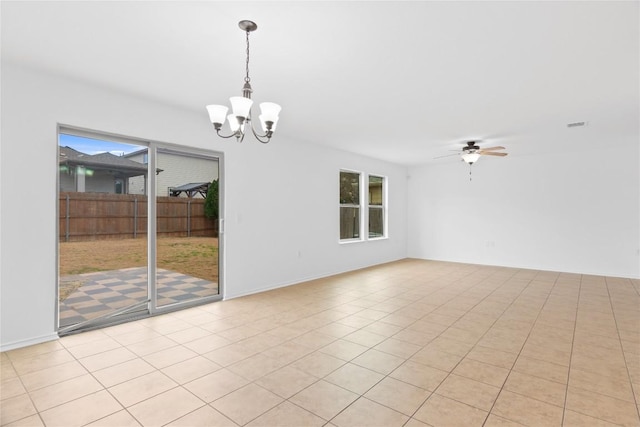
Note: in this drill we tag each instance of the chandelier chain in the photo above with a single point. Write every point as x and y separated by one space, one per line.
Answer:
247 79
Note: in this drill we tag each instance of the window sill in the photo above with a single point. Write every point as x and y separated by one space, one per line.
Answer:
370 239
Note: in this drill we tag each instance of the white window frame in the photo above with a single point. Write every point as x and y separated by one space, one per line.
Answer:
382 207
361 216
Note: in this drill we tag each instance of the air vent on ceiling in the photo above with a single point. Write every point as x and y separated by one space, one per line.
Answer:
576 124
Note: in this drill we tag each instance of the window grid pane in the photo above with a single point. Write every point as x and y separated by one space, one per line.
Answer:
376 206
349 205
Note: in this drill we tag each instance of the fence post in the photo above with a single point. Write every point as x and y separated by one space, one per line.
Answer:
66 225
189 218
135 217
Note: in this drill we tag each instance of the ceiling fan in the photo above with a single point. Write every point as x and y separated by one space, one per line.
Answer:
471 152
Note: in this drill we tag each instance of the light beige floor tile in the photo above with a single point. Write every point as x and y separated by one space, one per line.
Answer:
436 359
287 415
364 412
207 344
398 395
191 369
479 371
602 407
419 375
451 346
442 411
16 408
493 357
313 340
398 348
415 337
471 392
94 347
11 387
620 388
42 361
230 354
136 336
107 358
287 381
153 345
120 419
65 391
256 366
215 385
169 356
324 399
575 419
526 410
235 407
415 423
542 369
354 378
6 370
495 421
547 354
32 421
138 389
186 335
318 364
165 407
82 411
336 330
34 350
261 342
287 352
345 350
367 339
536 388
55 374
205 416
381 328
378 361
123 372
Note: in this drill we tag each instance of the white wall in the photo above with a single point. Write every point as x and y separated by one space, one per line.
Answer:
281 199
576 211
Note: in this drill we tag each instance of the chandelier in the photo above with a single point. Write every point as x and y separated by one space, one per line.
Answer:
241 106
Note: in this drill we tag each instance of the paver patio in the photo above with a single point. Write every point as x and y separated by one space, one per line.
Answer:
106 291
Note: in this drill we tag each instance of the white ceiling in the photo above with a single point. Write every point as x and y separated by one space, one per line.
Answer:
400 81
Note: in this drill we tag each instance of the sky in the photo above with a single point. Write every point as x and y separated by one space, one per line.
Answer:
95 146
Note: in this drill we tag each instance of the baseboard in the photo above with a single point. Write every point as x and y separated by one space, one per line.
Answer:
28 342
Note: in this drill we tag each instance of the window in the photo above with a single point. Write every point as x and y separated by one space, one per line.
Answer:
376 207
349 205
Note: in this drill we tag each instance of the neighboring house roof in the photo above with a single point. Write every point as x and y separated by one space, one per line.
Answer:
190 189
102 161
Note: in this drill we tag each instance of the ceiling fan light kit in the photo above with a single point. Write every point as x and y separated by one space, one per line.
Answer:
241 106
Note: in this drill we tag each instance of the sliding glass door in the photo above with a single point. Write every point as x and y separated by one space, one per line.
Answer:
102 247
138 229
187 250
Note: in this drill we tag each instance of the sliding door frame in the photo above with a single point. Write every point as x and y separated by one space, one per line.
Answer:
151 303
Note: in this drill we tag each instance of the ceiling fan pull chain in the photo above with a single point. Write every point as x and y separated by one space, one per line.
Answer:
469 172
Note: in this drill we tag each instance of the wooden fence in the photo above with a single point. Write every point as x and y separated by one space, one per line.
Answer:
98 216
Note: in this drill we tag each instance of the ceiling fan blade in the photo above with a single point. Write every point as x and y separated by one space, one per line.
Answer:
448 155
492 148
491 153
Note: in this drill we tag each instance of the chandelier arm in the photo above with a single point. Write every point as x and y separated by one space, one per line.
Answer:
259 137
226 136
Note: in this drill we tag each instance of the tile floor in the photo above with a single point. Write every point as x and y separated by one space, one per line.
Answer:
411 343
